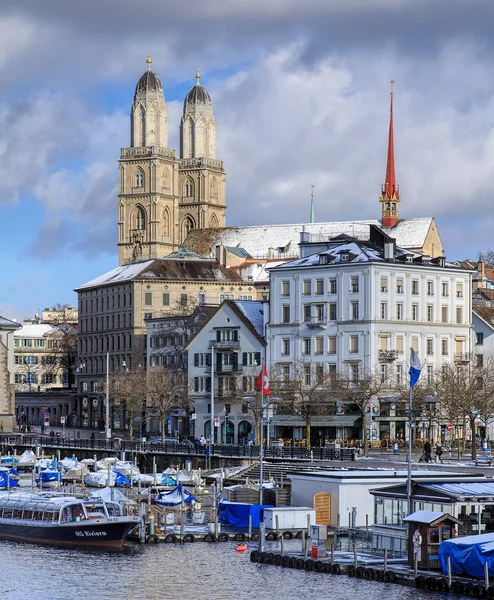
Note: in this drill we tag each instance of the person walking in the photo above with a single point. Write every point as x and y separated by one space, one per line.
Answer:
427 451
439 452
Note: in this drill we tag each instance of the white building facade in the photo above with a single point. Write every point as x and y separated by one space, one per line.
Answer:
360 305
224 359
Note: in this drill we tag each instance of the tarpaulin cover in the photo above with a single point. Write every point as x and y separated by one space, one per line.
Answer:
120 479
48 475
3 479
174 497
236 514
468 554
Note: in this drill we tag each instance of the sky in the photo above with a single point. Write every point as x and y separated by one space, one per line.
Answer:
300 92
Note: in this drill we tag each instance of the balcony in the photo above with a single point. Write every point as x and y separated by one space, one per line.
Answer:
387 355
317 322
224 345
228 368
462 358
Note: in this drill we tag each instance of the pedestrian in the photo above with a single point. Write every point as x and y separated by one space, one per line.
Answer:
427 451
439 452
202 441
93 437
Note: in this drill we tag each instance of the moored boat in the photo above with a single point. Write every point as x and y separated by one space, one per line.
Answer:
64 521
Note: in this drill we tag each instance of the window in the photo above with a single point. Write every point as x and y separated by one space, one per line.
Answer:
444 287
415 344
384 310
307 312
354 284
183 299
480 360
399 374
227 297
353 344
430 313
384 373
444 314
285 288
285 346
139 178
319 345
189 188
459 314
459 345
332 286
319 287
319 374
332 344
40 343
399 286
430 346
415 312
354 373
430 288
354 311
147 315
251 358
459 290
148 299
166 299
285 313
202 384
444 347
307 377
430 374
285 372
332 311
306 346
399 344
384 284
201 299
320 313
415 287
306 289
140 220
399 311
479 338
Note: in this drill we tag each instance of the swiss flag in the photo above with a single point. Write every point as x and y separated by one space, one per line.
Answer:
262 382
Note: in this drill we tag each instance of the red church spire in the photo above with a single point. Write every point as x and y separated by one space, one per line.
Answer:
390 194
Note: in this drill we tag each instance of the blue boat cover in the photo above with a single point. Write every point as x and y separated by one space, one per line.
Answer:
49 475
236 514
121 479
3 479
166 480
468 554
174 497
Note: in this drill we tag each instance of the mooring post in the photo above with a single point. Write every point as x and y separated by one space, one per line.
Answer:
277 526
250 527
385 559
415 565
355 561
281 545
449 571
366 522
486 575
332 553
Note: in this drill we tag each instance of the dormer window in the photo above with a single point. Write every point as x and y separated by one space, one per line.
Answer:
323 259
409 258
344 257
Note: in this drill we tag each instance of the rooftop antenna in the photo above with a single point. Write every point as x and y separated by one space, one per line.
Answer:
312 220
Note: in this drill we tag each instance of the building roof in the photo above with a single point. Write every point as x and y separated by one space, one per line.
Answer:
34 330
198 94
171 268
425 516
467 489
284 239
8 324
148 82
485 313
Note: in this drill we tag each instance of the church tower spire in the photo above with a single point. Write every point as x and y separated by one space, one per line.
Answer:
390 193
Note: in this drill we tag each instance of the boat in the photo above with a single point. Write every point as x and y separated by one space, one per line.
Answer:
64 521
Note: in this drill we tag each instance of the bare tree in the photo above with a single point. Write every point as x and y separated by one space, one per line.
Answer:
63 344
165 392
129 387
309 391
359 388
486 256
466 391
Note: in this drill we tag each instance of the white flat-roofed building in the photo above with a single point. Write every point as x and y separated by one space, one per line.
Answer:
359 304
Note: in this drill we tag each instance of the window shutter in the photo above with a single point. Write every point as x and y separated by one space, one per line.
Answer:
235 335
244 358
219 361
208 360
196 384
218 335
196 360
235 362
208 384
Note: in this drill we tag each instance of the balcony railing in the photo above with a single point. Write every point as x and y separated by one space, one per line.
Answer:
387 355
224 344
228 368
462 358
317 321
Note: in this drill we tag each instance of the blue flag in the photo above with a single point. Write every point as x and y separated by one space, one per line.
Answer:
415 367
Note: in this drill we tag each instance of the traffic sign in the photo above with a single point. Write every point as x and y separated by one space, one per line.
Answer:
193 416
450 427
62 420
216 422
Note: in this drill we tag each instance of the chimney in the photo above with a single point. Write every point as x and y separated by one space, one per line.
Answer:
481 273
270 253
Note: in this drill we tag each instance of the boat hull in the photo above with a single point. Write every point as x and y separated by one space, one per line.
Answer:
97 534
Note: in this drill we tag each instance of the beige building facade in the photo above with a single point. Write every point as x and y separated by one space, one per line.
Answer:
7 402
163 197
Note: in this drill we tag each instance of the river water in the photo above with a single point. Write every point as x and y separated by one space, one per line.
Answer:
199 571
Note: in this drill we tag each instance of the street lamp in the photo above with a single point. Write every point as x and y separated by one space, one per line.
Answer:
262 407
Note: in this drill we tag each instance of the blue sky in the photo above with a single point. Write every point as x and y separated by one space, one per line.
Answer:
301 96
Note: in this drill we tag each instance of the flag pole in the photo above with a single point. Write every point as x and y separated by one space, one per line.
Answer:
261 452
410 431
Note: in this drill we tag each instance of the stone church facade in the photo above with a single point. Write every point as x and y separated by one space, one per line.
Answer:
163 197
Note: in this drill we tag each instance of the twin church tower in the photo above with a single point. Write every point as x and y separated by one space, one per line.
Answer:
162 197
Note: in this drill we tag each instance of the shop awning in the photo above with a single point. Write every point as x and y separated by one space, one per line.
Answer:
320 421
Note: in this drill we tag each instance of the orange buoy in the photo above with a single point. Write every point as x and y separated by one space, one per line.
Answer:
241 548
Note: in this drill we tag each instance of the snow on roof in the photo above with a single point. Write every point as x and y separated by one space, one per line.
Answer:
122 273
256 272
424 516
256 239
466 489
254 312
7 323
483 538
33 330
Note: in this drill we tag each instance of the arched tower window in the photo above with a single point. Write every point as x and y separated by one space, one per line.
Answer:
165 181
187 226
139 178
189 188
166 223
213 221
140 218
